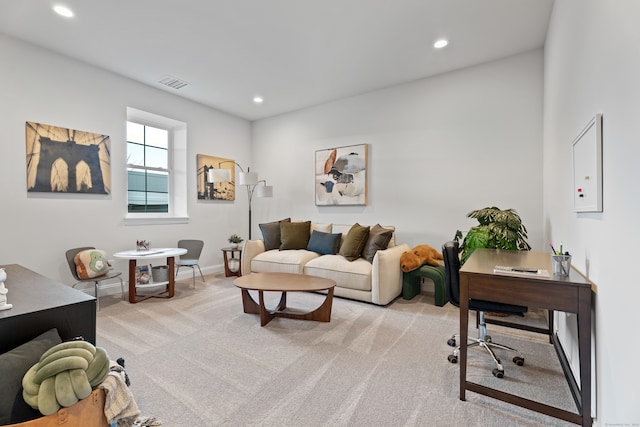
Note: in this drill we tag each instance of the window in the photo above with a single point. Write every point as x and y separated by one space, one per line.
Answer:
148 171
156 169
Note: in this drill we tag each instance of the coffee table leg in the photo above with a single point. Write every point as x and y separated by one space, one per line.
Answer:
248 304
265 315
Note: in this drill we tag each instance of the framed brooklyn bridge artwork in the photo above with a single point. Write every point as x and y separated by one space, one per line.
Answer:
61 160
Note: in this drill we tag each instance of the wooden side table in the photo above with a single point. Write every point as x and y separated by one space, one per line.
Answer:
228 272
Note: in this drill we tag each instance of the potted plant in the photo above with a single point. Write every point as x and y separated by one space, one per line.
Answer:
235 240
498 229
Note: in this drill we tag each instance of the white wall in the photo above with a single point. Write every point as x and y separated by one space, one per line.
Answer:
592 66
438 149
42 87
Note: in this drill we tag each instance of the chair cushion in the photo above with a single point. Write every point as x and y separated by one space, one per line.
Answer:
13 365
354 242
91 263
379 238
271 234
294 235
324 243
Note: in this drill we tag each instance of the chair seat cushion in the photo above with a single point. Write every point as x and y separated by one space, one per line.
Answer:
188 262
91 263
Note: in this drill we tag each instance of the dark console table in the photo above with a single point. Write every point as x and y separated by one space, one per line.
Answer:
40 304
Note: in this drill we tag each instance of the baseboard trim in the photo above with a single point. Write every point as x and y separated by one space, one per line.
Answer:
114 287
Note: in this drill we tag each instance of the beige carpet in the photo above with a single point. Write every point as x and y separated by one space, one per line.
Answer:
198 360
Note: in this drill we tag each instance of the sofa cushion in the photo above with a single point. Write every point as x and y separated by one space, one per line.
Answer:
324 243
347 274
354 241
13 365
379 238
277 261
294 235
271 233
325 228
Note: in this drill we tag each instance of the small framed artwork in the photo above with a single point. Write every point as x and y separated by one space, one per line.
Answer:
207 188
587 167
341 176
61 160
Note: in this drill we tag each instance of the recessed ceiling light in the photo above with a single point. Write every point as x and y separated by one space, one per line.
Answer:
440 43
63 11
258 99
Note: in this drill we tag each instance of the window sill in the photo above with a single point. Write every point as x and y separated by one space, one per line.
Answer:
155 220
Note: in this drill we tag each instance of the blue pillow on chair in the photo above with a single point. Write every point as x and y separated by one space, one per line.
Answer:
324 243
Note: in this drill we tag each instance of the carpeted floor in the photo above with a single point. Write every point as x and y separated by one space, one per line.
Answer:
198 360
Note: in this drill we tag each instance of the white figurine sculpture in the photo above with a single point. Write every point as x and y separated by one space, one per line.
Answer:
3 291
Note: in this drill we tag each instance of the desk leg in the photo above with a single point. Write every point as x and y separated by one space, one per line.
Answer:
172 276
464 333
132 281
584 353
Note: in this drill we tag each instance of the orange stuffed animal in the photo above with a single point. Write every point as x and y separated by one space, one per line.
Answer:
418 256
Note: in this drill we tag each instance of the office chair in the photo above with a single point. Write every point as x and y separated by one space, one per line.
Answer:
71 254
450 251
191 258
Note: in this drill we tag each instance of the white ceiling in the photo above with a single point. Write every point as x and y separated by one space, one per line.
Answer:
295 53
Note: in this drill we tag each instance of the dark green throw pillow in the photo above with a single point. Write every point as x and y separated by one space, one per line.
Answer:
378 240
13 365
354 241
324 243
271 234
294 235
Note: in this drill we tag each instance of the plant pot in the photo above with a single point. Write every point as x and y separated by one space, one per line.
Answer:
234 246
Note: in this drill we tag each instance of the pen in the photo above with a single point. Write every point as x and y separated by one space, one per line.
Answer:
552 249
560 249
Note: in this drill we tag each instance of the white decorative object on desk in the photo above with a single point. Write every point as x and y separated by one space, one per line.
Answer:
3 291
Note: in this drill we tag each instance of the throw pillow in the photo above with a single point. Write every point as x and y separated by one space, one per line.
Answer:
271 234
324 243
378 240
13 365
91 263
354 241
294 235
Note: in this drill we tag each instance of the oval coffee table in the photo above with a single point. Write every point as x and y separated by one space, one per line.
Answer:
284 282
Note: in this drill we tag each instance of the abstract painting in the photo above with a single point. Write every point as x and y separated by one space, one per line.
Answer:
341 176
61 160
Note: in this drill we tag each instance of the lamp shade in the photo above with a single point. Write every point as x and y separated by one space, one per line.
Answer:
248 178
219 175
264 191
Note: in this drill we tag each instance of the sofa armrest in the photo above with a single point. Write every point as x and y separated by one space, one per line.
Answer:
386 275
251 249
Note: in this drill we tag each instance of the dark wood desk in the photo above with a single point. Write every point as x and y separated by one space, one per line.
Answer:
40 304
570 294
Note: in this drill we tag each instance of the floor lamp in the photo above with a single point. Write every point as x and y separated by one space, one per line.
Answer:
248 179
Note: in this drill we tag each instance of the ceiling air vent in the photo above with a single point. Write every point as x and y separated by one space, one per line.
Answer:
173 82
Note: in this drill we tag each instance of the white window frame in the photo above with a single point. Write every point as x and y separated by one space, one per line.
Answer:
177 170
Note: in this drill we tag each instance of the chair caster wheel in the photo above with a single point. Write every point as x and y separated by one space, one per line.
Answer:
497 373
453 359
451 342
488 338
518 360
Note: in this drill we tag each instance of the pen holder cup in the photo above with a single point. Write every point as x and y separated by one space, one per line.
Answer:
560 265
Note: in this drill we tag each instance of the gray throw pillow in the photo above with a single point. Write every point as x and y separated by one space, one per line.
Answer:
324 243
378 240
271 234
13 365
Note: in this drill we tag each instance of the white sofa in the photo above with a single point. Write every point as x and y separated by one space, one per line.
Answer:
378 282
